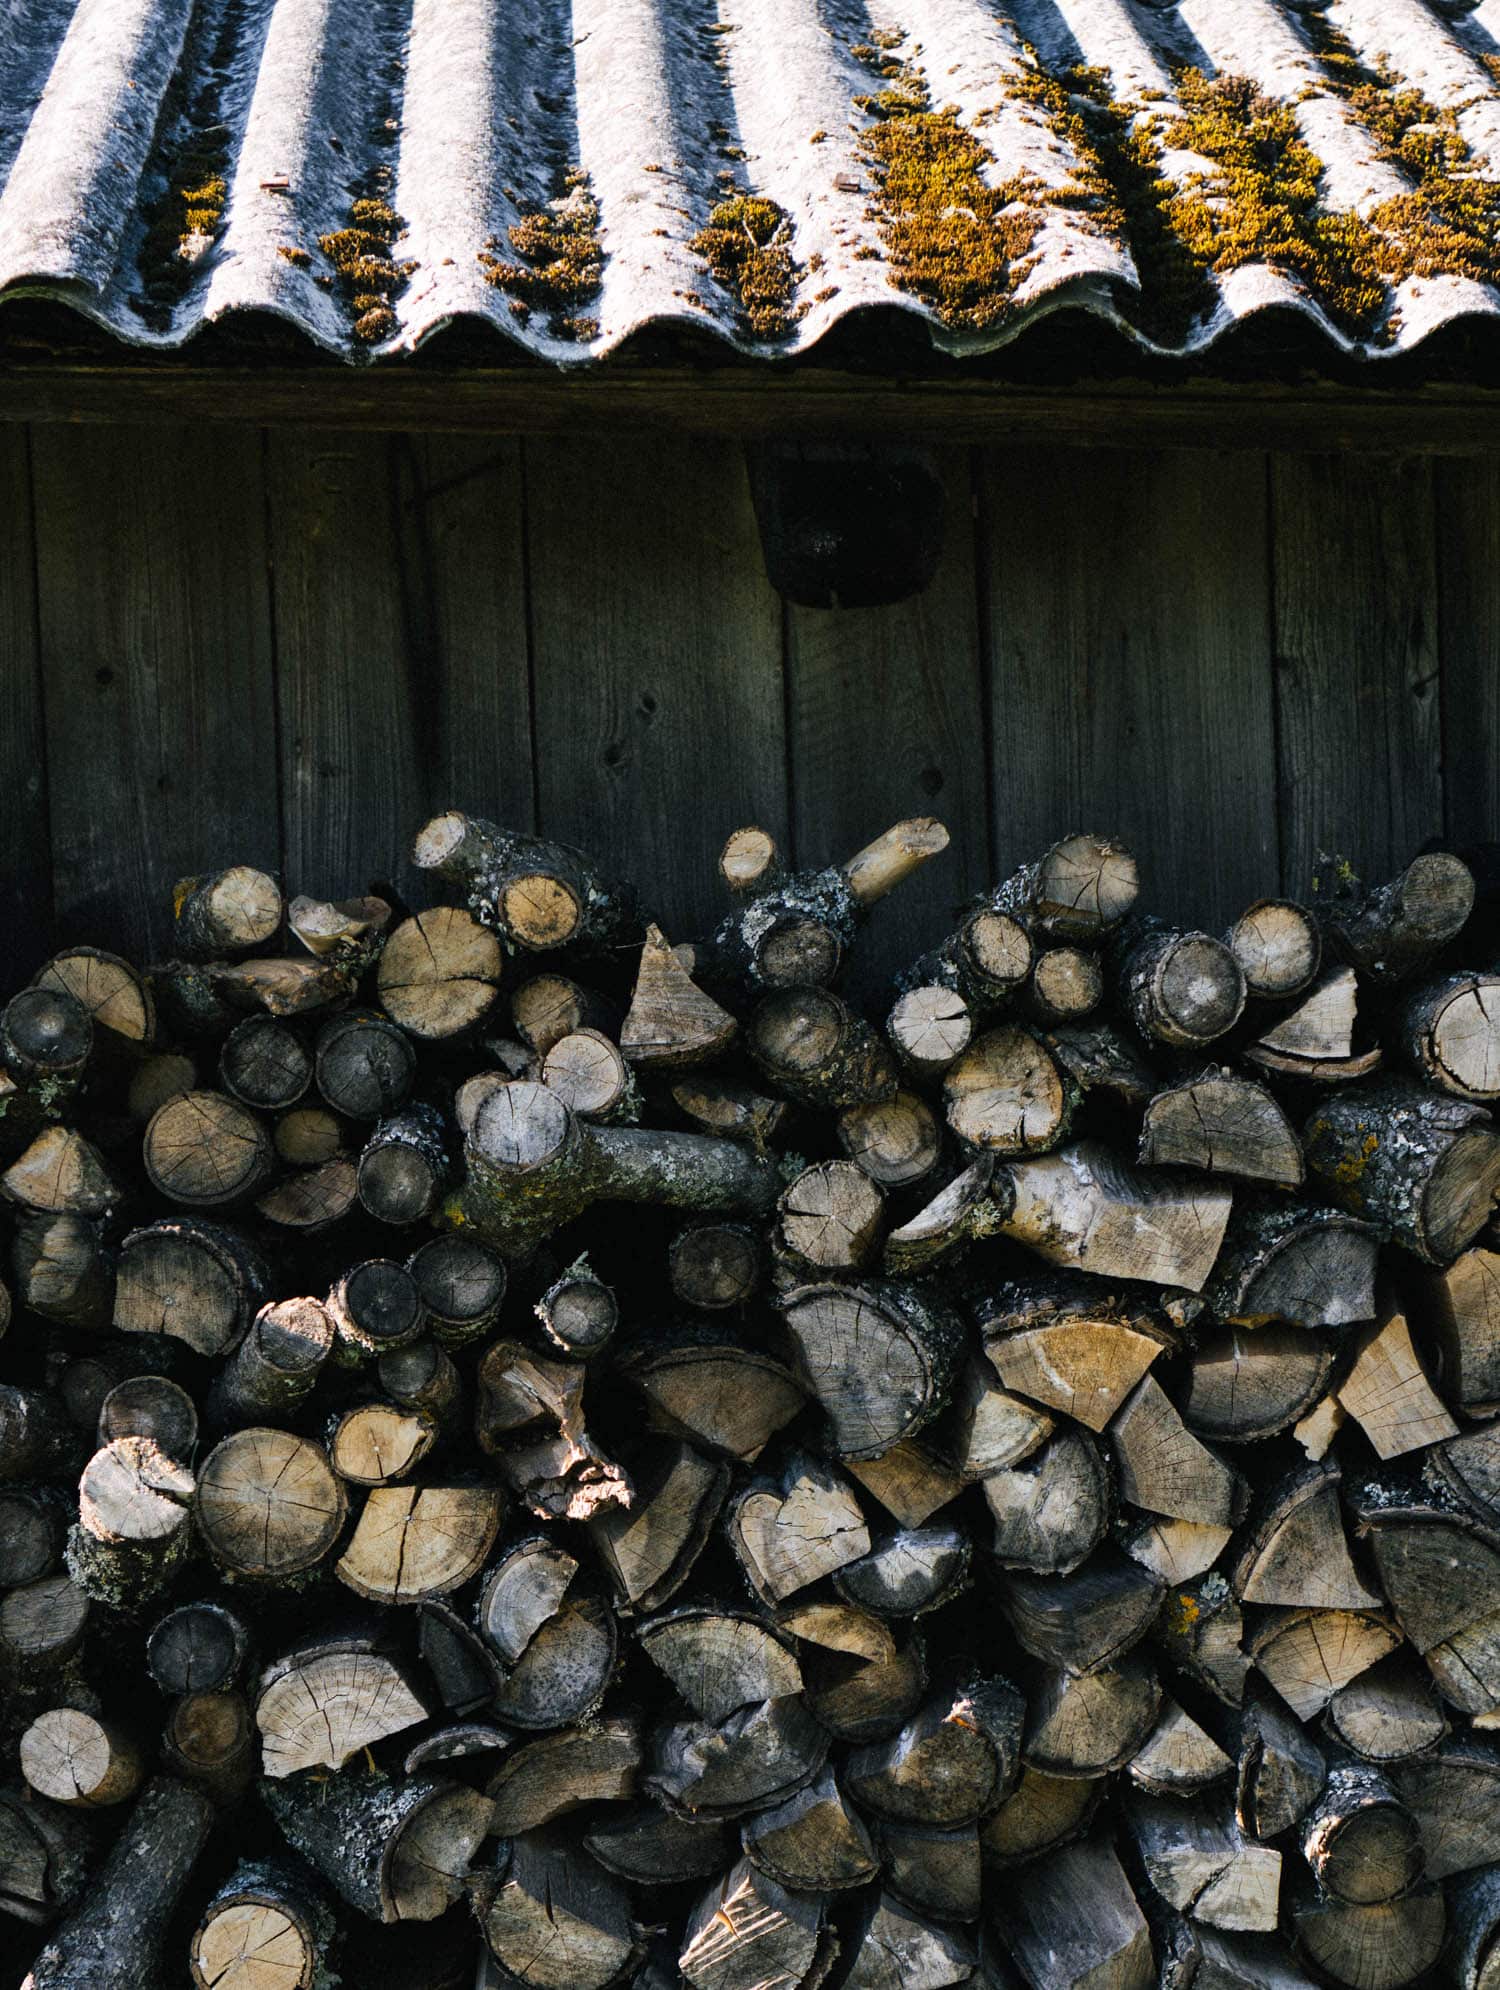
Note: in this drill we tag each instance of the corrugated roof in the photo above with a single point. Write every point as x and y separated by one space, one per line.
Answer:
573 170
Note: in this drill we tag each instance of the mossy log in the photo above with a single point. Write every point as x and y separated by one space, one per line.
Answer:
1389 931
1424 1166
134 1526
274 1367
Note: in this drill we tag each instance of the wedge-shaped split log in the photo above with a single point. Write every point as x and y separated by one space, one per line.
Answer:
1389 1713
671 1023
795 1529
1225 1125
720 1660
549 1622
1387 1392
1164 1469
956 1760
758 1757
814 1842
1179 1758
748 1930
714 1391
322 1703
1245 1384
559 1772
649 1547
1461 1304
1083 1728
1453 1793
1052 1510
1076 1925
1441 1571
1083 1208
1298 1555
1201 1863
414 1542
529 1417
1086 1620
1309 1655
1279 1772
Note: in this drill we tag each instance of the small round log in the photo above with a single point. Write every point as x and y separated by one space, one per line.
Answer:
830 1217
929 1027
33 1526
364 1065
133 1530
267 1928
589 1075
1181 989
205 1151
1278 946
405 1165
1359 1840
374 1308
578 1312
47 1034
1079 890
715 1265
274 1367
377 1444
268 1505
1450 1034
73 1758
265 1064
421 1377
1391 930
461 1285
896 1142
227 912
201 1647
1067 983
817 1051
151 1406
549 1007
439 973
209 1740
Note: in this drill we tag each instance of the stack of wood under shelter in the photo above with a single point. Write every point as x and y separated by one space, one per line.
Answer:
532 1452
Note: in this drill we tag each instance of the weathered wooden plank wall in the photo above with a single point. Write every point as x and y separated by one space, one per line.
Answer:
292 648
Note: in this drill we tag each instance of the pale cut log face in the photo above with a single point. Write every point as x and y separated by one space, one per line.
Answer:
319 1714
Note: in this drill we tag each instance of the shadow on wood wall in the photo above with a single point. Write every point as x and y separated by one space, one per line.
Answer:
287 649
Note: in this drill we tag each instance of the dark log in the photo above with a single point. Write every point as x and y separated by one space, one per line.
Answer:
439 974
324 1701
816 1050
412 1542
813 1842
533 1166
1359 1839
1184 990
364 1065
61 1269
165 1075
929 1026
857 1690
747 1931
117 998
46 1037
1072 1343
43 1857
1424 1166
209 1740
1200 1631
1078 1729
649 1548
1297 1555
1083 1208
1389 931
313 1200
1099 1059
268 1505
227 912
378 1444
134 1530
42 1627
911 1483
555 1635
1086 1620
267 1928
1309 1655
1042 1813
1164 1469
1468 1466
558 1773
758 1757
1474 1932
1197 1859
1280 1771
460 1667
830 1218
396 1848
529 1416
714 1391
1294 1261
405 1165
1453 1792
71 1757
118 1934
265 1064
1075 1924
719 1660
729 1110
1440 1570
671 1022
204 1151
649 1846
535 895
194 1280
201 1647
151 1406
982 963
1178 1758
33 1526
933 1873
1224 1125
896 1141
956 1760
894 1948
36 1439
1461 1305
1246 1384
715 1265
461 1286
880 1357
1388 1714
1372 1948
274 1367
1052 1510
375 1307
913 1571
797 1528
1278 946
1007 1095
549 1007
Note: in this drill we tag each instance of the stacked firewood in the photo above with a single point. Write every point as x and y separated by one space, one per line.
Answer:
533 1454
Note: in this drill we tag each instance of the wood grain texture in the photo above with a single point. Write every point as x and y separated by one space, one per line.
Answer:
156 653
658 653
1128 621
1468 529
26 869
1356 663
887 720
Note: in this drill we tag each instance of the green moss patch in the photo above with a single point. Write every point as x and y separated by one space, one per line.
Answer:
747 246
368 275
561 262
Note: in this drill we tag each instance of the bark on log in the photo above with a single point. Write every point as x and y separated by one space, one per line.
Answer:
396 1848
405 1165
1071 1343
529 1416
549 1007
267 1928
981 964
1184 990
197 1281
1424 1166
1389 931
461 1286
958 1759
274 1367
714 1392
818 1052
134 1529
364 1065
829 1219
1359 1840
880 1357
715 1265
1450 1035
535 895
1297 1262
61 1269
1082 1208
228 912
1372 1948
46 1037
814 1842
1224 1125
204 1151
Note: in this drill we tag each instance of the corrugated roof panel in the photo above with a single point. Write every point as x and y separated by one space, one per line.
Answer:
572 171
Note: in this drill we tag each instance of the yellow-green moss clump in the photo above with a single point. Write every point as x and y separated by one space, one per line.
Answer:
747 245
186 220
960 244
368 275
562 261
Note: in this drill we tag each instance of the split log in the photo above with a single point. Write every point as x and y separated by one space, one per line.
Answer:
1085 1620
830 1217
560 1772
1468 1466
896 1141
795 1529
377 1444
529 1417
1280 1771
880 1357
205 1151
1376 1947
133 1530
72 1758
895 1948
1309 1655
1007 1095
265 1064
43 1857
1425 1166
439 974
1440 1570
117 998
714 1391
396 1848
1387 1393
912 1572
405 1165
165 1075
1359 1839
1164 1469
150 1406
324 1701
375 1307
1474 1935
1200 1863
1461 1304
1081 1207
1175 1550
649 1846
535 895
1071 1343
1076 1925
992 1428
228 912
1297 1555
931 1872
1079 1729
533 1166
118 1934
714 1265
267 1928
1051 1510
1453 1792
1294 1261
1388 1714
197 1281
1278 946
1315 1042
911 1483
274 1367
720 1660
758 1757
727 1109
1389 931
1247 1384
411 1542
649 1548
61 1172
463 1671
813 1842
816 1050
209 1740
364 1065
1184 990
313 1200
956 1760
1223 1125
556 1921
36 1439
857 1698
1067 984
1099 1059
549 1007
929 1027
1040 1815
268 1505
61 1268
201 1647
671 1022
461 1286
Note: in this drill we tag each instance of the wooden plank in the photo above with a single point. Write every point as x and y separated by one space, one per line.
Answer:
657 646
886 709
1469 640
156 653
1356 662
26 867
1128 616
747 399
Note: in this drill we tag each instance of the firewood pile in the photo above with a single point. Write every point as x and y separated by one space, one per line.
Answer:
534 1454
